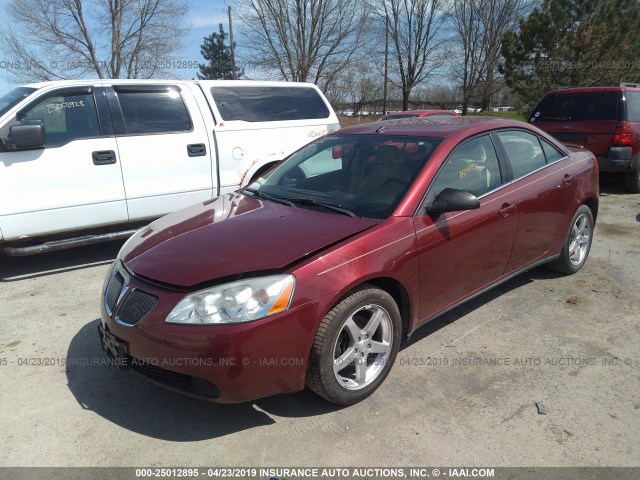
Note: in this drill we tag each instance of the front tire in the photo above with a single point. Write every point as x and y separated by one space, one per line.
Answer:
577 245
355 346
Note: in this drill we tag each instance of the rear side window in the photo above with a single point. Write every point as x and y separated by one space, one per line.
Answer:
65 117
154 112
581 106
523 151
268 104
633 106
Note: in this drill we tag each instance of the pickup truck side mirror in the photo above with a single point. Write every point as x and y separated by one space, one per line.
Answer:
453 200
26 137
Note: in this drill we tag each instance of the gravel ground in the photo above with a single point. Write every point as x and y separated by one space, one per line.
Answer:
463 390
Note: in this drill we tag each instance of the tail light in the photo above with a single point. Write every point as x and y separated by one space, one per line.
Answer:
622 136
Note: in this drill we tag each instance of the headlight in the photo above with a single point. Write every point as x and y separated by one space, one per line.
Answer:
240 301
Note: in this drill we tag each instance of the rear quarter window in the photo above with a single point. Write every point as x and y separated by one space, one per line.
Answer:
269 104
633 106
579 106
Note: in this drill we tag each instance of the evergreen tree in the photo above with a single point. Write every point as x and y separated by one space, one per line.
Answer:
573 43
218 56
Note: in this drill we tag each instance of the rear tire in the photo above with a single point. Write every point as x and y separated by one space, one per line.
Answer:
575 249
632 178
355 346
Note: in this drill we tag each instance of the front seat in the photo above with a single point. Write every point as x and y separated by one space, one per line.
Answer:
387 169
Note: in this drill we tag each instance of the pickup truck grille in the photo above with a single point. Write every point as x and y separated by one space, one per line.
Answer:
134 305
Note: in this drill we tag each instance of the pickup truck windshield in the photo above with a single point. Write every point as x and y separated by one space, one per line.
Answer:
15 96
356 175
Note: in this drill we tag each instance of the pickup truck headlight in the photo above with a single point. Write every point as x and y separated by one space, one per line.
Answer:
236 302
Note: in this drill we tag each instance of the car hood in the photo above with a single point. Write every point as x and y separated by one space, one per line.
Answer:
230 235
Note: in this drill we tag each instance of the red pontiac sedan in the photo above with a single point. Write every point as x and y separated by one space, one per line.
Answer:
313 274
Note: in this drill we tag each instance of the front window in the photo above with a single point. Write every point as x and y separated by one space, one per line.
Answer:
14 97
358 175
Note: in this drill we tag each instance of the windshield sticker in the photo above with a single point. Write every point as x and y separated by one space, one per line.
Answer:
54 107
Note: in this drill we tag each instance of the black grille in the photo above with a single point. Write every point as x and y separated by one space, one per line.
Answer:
135 306
113 290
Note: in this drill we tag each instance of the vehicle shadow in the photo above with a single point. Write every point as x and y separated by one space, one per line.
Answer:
13 269
611 184
137 405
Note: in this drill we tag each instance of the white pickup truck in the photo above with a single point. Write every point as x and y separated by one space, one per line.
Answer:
89 161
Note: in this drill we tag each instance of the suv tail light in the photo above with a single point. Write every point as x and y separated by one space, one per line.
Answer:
622 136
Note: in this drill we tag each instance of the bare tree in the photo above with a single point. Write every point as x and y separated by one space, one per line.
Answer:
415 28
56 39
304 40
479 26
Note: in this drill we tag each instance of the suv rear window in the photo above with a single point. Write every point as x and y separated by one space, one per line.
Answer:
268 104
579 106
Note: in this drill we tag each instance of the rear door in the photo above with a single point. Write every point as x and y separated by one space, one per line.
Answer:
164 147
545 183
75 182
584 119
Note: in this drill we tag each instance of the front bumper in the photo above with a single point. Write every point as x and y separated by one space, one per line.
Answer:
617 160
223 363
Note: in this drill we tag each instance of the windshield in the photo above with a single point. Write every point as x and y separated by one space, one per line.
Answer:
15 96
357 175
579 106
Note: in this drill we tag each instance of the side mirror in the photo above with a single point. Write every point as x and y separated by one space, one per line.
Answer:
453 200
26 137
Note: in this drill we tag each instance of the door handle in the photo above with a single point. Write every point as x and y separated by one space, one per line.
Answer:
197 150
507 209
104 157
566 180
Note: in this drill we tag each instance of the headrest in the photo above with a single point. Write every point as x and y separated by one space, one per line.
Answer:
388 155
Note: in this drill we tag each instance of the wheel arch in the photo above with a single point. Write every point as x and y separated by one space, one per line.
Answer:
394 288
592 203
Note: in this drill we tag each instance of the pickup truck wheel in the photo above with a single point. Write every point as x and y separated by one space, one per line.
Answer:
355 346
632 178
577 244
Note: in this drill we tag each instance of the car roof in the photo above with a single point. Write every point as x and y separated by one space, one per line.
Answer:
439 127
566 90
204 83
420 112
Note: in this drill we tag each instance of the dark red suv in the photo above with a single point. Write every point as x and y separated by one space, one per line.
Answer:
605 120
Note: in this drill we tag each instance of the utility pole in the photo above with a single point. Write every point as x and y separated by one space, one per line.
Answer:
232 45
386 64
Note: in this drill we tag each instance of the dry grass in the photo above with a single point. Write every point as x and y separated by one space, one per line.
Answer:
357 120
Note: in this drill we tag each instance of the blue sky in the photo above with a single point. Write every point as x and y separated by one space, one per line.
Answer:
204 16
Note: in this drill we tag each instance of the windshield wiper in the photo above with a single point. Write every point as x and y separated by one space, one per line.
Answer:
562 119
329 206
260 194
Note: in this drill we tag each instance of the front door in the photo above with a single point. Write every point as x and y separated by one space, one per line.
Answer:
461 252
75 182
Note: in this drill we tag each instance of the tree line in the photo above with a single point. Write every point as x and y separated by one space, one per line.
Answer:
473 51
